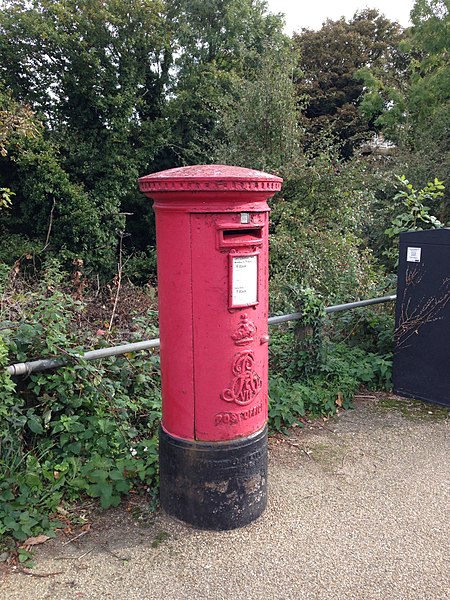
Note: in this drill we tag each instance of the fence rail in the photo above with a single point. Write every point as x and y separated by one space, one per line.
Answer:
53 363
333 309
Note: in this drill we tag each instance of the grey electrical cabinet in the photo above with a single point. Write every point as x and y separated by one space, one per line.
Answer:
421 367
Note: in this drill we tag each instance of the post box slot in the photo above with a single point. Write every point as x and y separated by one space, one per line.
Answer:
240 237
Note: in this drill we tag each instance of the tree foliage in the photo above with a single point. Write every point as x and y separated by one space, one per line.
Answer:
218 46
414 110
259 128
96 93
16 121
121 89
330 59
317 228
94 72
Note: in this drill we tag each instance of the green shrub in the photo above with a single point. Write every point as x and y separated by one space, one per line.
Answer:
83 429
317 226
369 328
415 215
333 384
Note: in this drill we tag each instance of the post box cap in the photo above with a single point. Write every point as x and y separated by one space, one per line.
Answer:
210 178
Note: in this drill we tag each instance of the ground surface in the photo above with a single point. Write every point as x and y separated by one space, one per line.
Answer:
358 509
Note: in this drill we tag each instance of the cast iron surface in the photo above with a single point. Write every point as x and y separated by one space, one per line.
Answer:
217 486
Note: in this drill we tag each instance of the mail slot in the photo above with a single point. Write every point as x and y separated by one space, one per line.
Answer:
212 248
238 238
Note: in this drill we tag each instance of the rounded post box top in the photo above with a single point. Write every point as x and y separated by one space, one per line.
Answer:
209 178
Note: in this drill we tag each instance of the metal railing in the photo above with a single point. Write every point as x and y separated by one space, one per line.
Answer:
333 309
53 363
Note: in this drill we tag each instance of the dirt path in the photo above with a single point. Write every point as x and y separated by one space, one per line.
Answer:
358 510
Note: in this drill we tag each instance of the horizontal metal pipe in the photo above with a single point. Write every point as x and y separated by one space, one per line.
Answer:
350 305
332 309
52 363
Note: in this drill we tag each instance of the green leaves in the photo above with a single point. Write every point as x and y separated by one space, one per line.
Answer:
417 215
95 73
84 429
259 126
333 60
26 501
343 369
409 100
286 403
317 229
34 423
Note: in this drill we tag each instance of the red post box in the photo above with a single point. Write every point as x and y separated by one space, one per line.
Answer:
212 249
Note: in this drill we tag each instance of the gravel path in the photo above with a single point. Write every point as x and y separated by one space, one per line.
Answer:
356 511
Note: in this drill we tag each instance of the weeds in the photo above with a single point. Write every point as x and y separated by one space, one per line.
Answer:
314 371
82 430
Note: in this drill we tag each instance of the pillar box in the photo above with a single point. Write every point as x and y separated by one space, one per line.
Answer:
212 249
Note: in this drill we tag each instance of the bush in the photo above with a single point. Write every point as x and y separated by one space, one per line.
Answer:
84 429
318 363
370 328
317 224
343 371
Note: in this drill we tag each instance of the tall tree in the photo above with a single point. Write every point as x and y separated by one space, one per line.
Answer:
414 110
94 71
329 61
218 44
259 129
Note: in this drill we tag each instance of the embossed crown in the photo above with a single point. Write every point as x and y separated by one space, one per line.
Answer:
244 332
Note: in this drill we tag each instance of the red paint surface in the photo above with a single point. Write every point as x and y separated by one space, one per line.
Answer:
214 356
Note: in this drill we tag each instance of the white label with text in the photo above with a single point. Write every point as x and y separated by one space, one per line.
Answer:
245 280
413 254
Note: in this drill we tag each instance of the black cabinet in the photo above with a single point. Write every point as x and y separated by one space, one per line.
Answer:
421 366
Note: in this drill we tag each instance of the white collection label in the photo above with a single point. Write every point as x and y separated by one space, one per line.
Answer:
413 254
245 280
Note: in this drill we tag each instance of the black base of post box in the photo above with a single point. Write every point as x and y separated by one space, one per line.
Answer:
214 485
